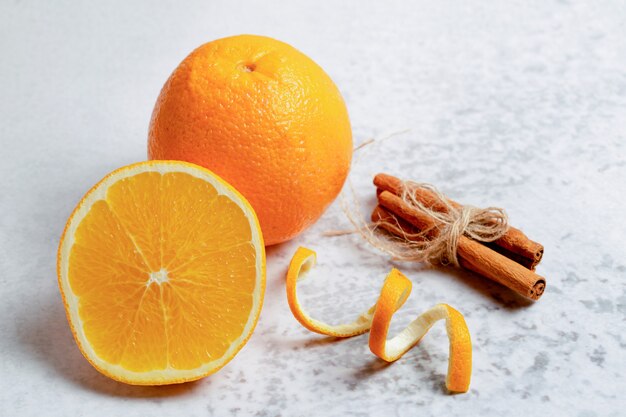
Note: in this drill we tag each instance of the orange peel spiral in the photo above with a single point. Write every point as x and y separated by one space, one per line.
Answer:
394 293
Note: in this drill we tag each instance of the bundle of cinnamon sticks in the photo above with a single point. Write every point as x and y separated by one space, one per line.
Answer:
510 260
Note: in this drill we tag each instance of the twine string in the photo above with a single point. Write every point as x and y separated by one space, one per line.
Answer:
481 224
437 244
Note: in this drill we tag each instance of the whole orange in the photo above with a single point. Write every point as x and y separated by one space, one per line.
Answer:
267 119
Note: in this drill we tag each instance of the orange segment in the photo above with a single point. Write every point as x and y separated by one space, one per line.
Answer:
136 204
162 271
394 293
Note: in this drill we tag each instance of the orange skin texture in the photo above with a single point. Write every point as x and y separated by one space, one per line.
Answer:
264 117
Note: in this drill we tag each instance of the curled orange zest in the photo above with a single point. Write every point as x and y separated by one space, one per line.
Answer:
376 320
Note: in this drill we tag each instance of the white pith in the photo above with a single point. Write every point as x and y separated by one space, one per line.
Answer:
157 277
168 374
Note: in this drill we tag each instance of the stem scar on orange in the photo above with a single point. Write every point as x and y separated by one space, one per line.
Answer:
162 271
267 119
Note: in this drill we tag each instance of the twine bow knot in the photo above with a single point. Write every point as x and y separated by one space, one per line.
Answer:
438 244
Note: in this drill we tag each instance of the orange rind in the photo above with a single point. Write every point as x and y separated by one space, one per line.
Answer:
394 293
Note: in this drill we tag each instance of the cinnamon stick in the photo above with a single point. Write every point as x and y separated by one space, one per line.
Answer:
472 254
395 225
514 244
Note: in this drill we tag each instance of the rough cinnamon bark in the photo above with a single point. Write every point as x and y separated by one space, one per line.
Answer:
472 254
515 245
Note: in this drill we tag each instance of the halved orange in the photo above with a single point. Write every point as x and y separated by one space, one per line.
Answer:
162 271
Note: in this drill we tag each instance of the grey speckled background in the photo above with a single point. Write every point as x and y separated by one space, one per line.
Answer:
520 104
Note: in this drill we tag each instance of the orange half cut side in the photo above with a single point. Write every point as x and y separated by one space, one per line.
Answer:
162 271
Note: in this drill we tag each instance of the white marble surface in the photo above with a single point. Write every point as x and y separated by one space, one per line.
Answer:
520 104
